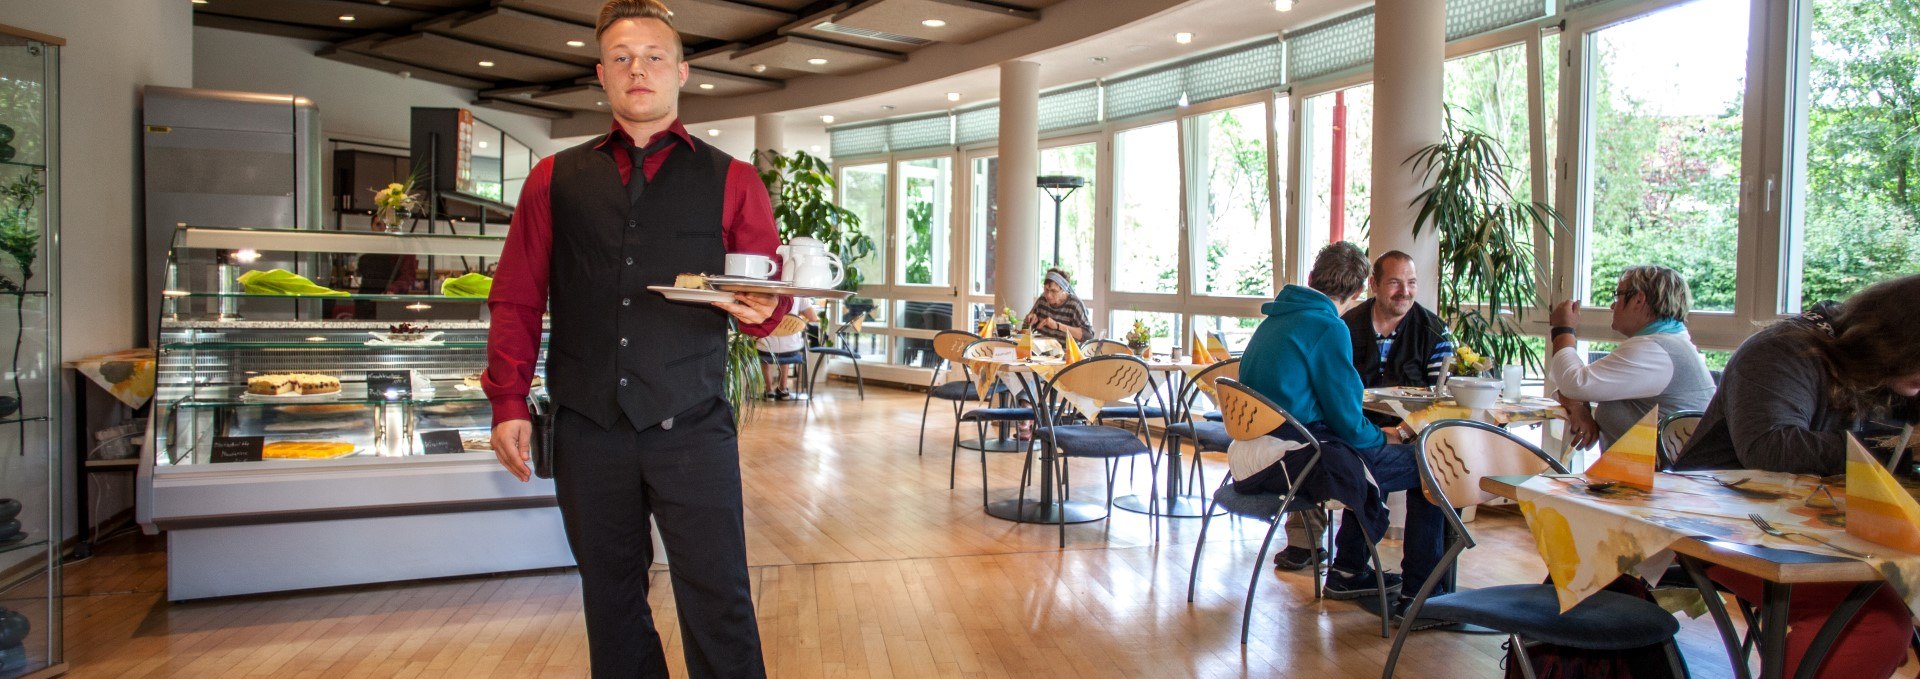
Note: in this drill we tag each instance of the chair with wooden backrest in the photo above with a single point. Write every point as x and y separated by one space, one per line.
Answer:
1247 415
1454 456
981 417
950 346
1104 347
790 326
1126 411
1675 428
840 350
1063 435
1208 436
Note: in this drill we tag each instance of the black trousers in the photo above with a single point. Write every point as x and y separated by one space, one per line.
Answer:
688 479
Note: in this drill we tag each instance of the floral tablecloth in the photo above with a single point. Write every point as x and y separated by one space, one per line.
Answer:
128 375
1590 536
1503 412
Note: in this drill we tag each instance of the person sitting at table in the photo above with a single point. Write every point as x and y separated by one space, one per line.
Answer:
1059 312
1657 366
1791 394
1302 359
774 347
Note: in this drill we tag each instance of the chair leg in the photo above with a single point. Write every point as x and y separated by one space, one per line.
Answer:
815 376
1259 566
1066 489
925 407
1379 577
1193 572
859 381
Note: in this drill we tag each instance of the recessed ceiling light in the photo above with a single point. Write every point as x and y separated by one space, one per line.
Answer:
347 18
199 2
1183 37
713 132
817 61
486 64
599 103
827 119
1097 60
759 68
706 86
933 23
576 43
1283 5
953 96
483 144
316 338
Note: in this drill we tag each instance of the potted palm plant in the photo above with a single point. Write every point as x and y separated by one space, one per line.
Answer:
1487 268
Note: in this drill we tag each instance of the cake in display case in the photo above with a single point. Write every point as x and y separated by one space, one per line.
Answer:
313 429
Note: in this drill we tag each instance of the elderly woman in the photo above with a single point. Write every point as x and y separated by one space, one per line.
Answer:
1657 366
1059 313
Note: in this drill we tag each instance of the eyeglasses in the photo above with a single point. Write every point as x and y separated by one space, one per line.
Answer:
1621 295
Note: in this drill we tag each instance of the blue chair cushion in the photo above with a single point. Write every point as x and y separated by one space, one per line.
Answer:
789 358
1260 506
954 391
1210 436
1126 412
997 415
835 351
1082 440
1606 621
1213 416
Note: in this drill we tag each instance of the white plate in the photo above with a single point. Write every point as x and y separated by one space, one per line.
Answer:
748 280
691 295
1403 394
387 337
289 398
788 289
415 343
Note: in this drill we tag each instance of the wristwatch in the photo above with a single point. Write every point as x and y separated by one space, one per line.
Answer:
1559 330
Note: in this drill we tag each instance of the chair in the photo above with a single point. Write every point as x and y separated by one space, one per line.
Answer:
1675 428
1455 455
1125 411
840 350
1248 416
1102 378
790 326
1104 347
981 417
950 346
1208 434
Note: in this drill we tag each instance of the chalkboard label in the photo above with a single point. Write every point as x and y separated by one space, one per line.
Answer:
391 384
237 448
441 442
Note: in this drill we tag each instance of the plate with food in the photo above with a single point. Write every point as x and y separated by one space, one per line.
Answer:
1411 394
292 387
693 288
406 334
779 288
307 450
477 443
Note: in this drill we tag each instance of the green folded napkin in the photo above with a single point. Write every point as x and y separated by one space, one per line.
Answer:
470 285
283 282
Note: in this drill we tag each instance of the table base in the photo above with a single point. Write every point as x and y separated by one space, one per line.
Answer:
999 445
1032 511
1179 507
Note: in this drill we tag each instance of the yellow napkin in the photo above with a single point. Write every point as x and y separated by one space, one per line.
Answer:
1073 351
1631 459
469 285
1200 353
1418 420
1216 347
1878 509
283 282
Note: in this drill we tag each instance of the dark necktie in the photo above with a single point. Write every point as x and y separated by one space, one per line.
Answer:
637 182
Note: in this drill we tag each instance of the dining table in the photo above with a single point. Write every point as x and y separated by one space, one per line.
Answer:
1590 532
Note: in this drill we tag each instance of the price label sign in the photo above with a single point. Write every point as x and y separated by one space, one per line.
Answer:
392 385
237 449
441 442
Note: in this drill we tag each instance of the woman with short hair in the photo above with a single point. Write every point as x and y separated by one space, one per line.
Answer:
1657 366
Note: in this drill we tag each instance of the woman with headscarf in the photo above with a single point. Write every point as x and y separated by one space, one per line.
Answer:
1059 313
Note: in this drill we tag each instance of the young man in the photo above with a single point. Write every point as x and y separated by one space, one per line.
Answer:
1301 358
640 428
1396 343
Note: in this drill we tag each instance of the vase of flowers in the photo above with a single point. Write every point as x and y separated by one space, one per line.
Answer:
1007 324
1469 363
1140 339
394 205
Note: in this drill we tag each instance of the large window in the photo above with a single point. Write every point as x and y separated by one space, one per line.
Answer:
1338 153
1232 233
1487 93
1664 148
983 211
1146 220
924 240
1860 220
1076 212
863 191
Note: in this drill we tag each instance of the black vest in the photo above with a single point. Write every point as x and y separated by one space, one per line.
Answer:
615 347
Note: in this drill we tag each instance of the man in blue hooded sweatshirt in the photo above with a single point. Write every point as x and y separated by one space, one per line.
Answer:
1301 357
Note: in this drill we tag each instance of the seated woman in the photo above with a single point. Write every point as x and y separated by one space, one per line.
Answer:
1059 313
1657 365
1791 394
775 347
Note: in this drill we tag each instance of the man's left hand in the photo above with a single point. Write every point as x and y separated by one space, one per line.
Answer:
750 308
1566 314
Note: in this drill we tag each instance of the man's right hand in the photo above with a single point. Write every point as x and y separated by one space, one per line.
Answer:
513 444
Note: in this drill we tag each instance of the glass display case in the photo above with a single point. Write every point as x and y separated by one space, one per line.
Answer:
311 428
30 468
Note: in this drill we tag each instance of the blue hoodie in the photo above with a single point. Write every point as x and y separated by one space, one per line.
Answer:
1301 357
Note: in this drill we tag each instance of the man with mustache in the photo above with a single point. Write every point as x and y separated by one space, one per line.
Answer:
640 427
1396 343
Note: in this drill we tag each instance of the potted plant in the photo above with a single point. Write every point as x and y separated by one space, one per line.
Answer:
1487 266
394 203
801 187
20 243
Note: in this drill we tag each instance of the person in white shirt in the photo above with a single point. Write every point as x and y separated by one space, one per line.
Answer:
774 346
1656 366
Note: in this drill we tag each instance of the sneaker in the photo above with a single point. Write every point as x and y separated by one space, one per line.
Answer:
1295 558
1400 617
1342 585
783 395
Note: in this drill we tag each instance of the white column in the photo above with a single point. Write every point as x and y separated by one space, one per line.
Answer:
1016 279
768 133
1409 51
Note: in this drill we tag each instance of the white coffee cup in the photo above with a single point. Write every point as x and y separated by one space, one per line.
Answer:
750 266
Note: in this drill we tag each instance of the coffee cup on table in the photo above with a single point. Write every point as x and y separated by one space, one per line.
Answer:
750 265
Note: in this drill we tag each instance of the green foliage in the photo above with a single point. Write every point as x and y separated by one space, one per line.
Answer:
919 232
1486 259
19 239
801 187
744 383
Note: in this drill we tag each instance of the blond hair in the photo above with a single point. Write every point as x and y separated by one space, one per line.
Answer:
621 10
1664 289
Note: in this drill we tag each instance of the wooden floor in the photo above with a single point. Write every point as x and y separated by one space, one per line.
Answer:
864 564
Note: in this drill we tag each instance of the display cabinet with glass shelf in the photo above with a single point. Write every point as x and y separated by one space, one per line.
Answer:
369 461
30 468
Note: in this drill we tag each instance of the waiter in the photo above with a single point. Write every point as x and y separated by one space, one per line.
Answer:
640 427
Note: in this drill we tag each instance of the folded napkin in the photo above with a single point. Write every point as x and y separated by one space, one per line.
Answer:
283 282
470 285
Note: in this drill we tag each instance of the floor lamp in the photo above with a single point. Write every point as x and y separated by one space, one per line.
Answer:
1058 187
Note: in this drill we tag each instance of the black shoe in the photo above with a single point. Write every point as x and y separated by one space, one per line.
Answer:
769 396
1295 558
1342 585
1400 617
783 395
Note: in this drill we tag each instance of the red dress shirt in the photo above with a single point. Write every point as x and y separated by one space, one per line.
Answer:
519 296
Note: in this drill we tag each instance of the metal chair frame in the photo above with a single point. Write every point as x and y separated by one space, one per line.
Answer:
946 363
1055 412
980 427
1663 456
859 380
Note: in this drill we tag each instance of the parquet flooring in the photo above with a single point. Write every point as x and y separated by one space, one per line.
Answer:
864 564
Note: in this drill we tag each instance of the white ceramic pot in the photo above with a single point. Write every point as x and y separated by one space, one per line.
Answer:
1478 393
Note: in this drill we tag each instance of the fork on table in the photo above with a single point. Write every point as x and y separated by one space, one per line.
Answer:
1768 528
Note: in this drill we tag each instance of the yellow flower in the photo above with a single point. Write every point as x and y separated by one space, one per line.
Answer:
396 187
